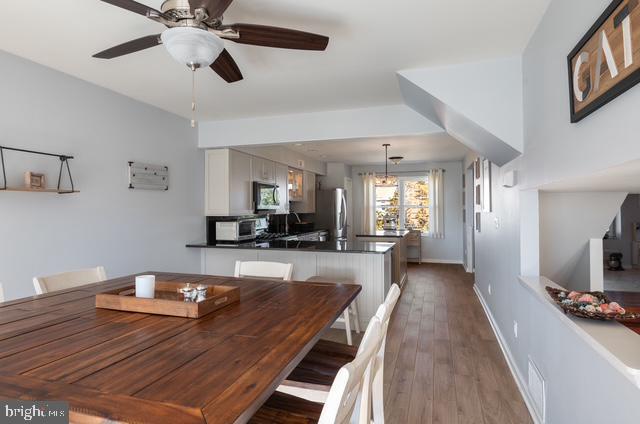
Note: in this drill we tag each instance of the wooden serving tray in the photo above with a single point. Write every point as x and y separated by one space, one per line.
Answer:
168 300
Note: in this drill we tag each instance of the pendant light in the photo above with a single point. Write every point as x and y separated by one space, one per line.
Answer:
396 159
386 161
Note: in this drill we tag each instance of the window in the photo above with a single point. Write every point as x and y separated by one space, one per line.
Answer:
403 201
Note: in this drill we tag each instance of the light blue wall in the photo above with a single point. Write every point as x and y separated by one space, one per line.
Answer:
106 224
581 385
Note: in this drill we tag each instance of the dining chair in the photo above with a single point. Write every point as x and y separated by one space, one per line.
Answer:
350 310
261 269
311 379
67 280
1 293
349 395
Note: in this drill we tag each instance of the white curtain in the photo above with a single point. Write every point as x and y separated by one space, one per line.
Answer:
369 206
436 203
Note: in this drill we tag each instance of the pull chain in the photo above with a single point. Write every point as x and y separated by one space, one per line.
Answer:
193 96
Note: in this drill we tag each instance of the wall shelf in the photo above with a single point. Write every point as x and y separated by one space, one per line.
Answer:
64 162
39 190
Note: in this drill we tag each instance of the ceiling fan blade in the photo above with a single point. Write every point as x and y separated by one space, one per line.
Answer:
130 47
226 67
215 8
268 36
134 7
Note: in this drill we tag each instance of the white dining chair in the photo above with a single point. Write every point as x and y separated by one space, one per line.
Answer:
67 280
261 269
348 400
377 388
311 388
1 293
352 309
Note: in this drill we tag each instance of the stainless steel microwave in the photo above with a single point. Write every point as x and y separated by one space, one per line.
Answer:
265 197
239 230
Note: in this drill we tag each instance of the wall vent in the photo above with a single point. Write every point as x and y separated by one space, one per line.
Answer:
537 390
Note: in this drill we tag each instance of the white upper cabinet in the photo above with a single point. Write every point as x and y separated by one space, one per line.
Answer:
263 170
229 177
228 183
308 202
282 177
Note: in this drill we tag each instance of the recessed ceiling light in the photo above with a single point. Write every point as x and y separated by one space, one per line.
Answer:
298 144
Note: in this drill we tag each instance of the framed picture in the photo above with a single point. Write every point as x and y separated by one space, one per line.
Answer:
602 65
486 186
35 181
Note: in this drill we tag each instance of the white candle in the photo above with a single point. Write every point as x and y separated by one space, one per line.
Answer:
146 286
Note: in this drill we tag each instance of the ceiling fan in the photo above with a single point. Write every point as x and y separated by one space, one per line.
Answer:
196 32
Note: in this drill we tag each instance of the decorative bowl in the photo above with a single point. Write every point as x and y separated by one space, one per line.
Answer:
592 306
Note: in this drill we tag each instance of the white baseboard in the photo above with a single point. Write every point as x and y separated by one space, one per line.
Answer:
443 261
520 381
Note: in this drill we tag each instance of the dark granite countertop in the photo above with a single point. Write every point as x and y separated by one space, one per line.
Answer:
316 246
386 233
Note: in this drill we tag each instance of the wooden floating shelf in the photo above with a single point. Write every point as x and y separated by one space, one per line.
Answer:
39 190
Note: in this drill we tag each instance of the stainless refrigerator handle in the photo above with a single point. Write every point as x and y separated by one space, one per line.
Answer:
344 212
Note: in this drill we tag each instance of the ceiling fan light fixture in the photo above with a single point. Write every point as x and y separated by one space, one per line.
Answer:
193 47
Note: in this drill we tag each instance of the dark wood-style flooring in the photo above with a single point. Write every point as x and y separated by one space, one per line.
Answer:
443 363
631 302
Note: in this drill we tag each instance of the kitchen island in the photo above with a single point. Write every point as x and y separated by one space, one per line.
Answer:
399 255
368 264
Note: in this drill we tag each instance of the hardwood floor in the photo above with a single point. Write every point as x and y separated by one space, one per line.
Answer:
443 363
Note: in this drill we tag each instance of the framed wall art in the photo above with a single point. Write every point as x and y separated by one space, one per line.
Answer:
606 61
486 186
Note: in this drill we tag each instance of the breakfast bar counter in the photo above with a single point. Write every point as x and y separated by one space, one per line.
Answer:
618 345
369 264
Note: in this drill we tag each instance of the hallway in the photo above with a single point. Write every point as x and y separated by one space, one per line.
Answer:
443 363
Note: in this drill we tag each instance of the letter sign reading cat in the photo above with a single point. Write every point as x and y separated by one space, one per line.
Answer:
606 62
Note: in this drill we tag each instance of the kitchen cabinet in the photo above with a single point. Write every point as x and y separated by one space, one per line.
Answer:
228 182
308 202
296 191
282 179
263 170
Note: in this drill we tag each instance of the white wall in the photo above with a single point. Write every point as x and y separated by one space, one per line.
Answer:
467 89
334 178
393 120
630 212
564 240
446 250
286 156
106 224
555 149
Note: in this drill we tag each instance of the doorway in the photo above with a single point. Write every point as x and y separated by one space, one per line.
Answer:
468 220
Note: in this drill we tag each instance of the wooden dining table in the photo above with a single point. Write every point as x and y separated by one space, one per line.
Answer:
131 367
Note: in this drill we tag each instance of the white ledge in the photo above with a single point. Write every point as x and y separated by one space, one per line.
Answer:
616 343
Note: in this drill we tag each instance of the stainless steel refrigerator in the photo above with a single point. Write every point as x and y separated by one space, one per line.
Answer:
331 212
